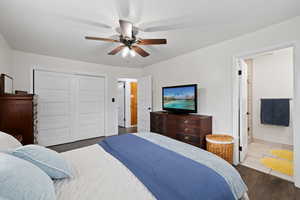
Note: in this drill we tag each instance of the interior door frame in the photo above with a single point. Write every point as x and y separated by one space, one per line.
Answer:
124 103
74 72
242 132
236 98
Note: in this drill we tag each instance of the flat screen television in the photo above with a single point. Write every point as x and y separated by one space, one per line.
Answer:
181 99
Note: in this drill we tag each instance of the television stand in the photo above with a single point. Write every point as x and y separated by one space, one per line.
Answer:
188 128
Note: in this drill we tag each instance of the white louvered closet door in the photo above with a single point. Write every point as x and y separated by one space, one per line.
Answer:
90 107
70 107
54 116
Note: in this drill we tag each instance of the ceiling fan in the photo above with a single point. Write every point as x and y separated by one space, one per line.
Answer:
129 41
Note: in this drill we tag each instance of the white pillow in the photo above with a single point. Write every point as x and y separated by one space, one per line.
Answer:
21 180
8 142
51 162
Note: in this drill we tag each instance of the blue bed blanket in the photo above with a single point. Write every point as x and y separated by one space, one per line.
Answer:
166 174
222 167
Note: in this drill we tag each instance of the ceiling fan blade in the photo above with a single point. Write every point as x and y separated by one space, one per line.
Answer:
140 51
86 22
126 28
166 28
116 50
101 39
169 24
183 22
152 41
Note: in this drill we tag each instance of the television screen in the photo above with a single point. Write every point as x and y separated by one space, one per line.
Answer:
180 98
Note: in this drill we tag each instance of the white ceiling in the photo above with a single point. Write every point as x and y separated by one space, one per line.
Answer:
57 27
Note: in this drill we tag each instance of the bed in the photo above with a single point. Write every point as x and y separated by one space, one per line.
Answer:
99 175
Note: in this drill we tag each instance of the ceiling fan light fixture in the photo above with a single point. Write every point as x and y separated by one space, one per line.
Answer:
129 41
125 52
132 53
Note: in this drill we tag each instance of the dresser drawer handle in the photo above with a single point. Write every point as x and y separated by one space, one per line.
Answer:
186 137
185 121
186 129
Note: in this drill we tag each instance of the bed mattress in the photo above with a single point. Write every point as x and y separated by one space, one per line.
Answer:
98 175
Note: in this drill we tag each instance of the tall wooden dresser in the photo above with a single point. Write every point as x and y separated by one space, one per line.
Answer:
17 116
188 128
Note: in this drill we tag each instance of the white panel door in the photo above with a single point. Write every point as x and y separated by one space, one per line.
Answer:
90 107
54 107
243 109
121 104
144 103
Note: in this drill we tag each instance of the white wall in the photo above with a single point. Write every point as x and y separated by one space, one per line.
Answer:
22 73
272 78
5 57
212 69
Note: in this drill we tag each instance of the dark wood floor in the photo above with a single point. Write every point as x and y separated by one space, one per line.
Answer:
266 187
83 143
75 145
123 130
261 186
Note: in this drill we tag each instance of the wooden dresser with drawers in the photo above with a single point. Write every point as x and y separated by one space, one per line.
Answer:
17 116
188 128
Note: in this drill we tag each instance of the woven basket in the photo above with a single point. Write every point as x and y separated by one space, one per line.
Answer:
221 145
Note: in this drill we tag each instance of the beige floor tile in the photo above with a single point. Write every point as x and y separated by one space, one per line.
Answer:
269 145
254 163
287 147
259 149
258 146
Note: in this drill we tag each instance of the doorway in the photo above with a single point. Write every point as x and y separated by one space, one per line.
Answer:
121 103
137 104
266 91
127 104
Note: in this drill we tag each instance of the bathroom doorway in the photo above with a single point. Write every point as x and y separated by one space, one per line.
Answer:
266 92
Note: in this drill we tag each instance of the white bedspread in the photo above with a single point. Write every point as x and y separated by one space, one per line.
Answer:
99 176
